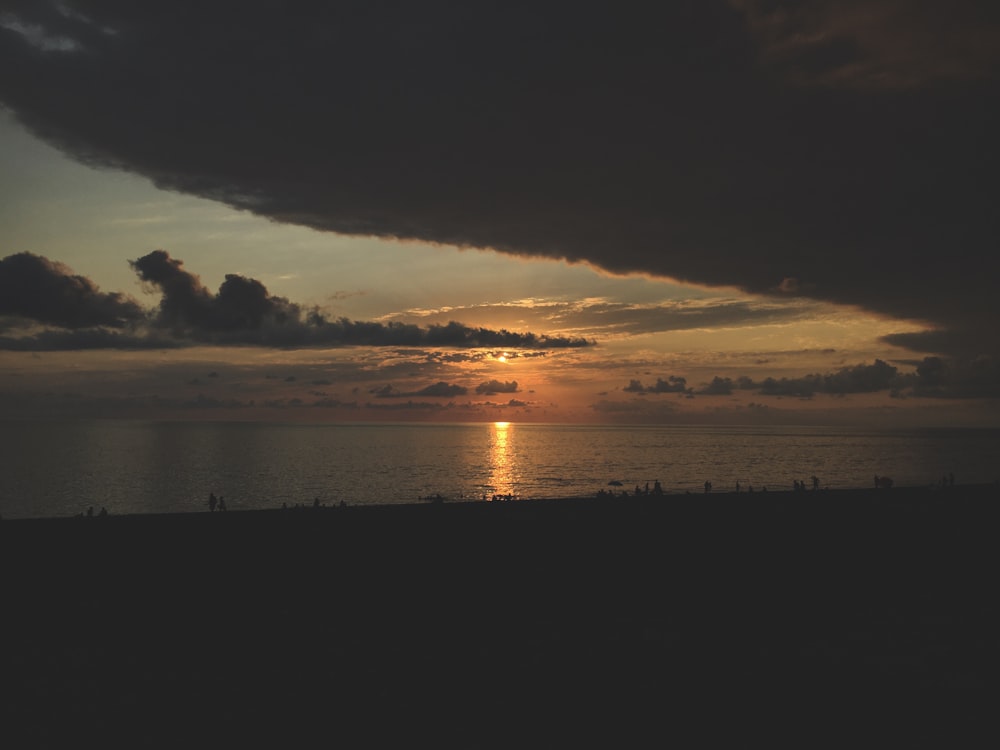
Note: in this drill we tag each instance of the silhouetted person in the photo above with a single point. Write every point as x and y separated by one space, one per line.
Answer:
316 502
657 489
222 503
876 481
103 513
815 483
212 502
708 487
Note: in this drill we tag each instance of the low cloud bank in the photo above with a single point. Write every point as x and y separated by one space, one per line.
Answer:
44 306
935 377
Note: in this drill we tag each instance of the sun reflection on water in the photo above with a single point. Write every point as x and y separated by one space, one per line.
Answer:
503 474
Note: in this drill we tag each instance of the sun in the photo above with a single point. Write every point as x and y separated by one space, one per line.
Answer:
502 357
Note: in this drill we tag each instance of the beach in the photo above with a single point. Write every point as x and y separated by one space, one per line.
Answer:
278 622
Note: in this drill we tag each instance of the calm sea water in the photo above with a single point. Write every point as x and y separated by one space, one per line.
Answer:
61 468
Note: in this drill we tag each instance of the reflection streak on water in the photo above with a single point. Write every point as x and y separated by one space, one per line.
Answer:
501 459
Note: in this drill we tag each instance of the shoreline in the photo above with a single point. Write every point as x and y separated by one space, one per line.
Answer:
913 493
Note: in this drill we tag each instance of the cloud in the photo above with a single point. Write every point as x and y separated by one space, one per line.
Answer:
442 390
718 387
849 146
673 384
610 317
39 289
493 387
437 390
860 378
242 312
940 377
875 45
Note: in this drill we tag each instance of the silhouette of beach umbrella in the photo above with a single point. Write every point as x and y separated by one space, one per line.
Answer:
614 483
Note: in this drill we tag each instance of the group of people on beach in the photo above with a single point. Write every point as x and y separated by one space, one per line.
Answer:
800 486
316 505
90 513
501 498
214 502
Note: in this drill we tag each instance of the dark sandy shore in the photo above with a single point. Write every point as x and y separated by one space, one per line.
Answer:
280 624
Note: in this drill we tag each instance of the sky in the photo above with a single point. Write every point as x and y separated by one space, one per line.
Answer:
712 211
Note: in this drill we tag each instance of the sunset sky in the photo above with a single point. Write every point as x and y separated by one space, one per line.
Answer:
740 212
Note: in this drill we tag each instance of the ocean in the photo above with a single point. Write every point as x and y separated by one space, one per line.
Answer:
63 468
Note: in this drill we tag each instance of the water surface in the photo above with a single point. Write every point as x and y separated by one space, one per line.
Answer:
62 468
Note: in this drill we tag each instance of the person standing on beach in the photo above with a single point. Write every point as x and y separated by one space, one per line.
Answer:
211 501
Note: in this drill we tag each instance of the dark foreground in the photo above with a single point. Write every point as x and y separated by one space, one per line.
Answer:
396 622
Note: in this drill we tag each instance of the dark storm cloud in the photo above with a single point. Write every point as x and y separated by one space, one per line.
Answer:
34 290
493 387
39 289
849 146
875 45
